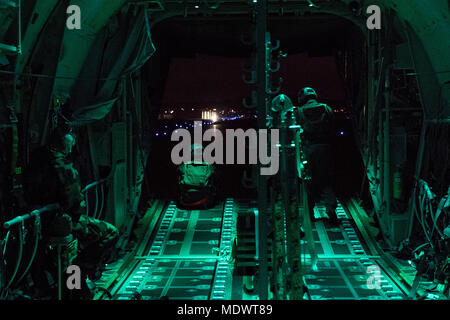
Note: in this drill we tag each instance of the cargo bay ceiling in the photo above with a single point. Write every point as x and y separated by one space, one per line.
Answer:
424 24
98 65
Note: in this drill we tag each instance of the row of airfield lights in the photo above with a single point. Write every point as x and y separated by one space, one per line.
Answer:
184 125
208 119
192 125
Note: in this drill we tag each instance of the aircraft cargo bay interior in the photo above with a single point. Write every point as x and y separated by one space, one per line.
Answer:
224 150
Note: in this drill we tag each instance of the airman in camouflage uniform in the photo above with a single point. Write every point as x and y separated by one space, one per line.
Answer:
53 179
317 122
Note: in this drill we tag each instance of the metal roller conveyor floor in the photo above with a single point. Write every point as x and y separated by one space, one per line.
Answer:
345 271
188 257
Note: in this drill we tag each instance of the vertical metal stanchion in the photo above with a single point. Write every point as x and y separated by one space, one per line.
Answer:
19 28
285 198
261 28
58 246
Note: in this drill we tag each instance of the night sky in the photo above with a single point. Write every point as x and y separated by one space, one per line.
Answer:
208 81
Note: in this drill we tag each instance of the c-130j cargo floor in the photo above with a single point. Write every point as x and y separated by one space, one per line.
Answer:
190 256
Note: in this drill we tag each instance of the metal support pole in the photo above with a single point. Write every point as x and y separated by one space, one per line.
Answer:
387 131
19 28
371 97
380 148
387 149
261 28
58 246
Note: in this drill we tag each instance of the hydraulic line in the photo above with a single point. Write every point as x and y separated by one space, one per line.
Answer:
19 257
36 244
102 203
86 197
421 206
20 220
96 202
6 242
424 198
437 215
420 247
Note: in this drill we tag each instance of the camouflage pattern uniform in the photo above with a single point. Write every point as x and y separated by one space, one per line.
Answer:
54 180
316 120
